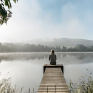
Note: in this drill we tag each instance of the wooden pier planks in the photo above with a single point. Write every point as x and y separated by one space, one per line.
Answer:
53 80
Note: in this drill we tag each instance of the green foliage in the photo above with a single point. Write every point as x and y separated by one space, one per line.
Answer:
81 48
5 14
64 49
5 87
10 47
85 86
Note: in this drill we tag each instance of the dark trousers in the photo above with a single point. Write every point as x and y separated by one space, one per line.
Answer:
52 63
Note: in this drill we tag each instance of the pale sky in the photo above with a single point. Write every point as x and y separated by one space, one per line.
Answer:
33 19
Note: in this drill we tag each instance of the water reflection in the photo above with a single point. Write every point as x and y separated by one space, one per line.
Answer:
26 69
63 58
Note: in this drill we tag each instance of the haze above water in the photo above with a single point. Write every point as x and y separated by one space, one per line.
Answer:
26 69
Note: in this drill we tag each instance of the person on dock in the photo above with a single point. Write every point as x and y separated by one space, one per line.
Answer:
52 58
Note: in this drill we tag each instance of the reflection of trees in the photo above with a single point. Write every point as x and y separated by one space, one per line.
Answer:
65 57
23 56
61 55
1 59
28 56
74 58
82 56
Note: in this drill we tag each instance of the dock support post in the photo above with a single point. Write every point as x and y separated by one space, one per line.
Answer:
55 88
47 89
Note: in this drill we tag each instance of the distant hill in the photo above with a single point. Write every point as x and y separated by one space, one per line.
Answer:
45 45
61 42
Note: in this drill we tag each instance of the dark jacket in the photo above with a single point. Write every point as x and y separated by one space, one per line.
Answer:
52 59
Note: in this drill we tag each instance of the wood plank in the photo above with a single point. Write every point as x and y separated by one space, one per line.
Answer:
52 89
52 85
53 80
53 66
54 92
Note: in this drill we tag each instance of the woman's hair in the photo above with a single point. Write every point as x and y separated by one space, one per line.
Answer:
52 51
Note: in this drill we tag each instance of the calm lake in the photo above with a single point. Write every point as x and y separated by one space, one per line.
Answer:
26 69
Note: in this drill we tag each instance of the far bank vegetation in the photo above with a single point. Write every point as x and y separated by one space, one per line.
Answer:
10 47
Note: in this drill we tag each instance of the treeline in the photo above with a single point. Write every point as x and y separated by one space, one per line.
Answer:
10 47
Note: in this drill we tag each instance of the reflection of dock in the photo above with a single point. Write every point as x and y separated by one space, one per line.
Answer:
53 80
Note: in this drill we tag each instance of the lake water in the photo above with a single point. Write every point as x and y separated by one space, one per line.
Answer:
26 69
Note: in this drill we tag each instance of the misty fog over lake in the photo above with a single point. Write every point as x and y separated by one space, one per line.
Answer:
26 69
30 29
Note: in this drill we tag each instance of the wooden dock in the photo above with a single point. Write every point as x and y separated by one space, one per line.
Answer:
53 80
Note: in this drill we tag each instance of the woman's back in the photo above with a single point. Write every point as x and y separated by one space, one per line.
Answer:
52 59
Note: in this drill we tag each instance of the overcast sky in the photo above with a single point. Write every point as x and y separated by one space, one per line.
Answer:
34 19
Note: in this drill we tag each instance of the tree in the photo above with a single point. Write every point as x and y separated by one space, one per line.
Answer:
4 13
64 49
81 48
